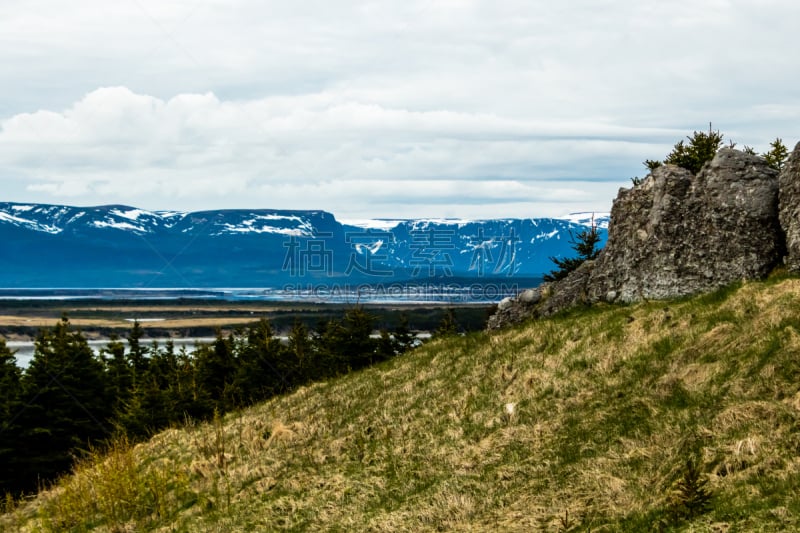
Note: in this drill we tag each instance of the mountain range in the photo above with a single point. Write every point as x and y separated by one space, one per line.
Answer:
117 246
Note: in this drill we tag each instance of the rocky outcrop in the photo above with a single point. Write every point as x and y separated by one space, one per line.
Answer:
677 234
790 208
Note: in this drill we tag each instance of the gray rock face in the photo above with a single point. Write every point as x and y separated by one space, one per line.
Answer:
790 208
677 234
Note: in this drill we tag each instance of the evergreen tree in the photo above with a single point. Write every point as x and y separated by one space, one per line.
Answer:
216 369
264 367
119 374
358 346
137 354
143 413
329 340
651 165
585 245
777 155
702 147
157 397
448 324
304 352
404 338
162 364
66 406
10 407
386 346
187 396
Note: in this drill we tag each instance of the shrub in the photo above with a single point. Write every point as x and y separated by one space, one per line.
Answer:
585 244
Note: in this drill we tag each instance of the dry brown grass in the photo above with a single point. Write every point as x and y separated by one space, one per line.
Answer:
121 323
47 321
205 307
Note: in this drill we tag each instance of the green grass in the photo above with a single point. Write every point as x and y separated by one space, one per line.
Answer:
584 421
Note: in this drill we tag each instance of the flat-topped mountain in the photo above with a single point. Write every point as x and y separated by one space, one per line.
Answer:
121 246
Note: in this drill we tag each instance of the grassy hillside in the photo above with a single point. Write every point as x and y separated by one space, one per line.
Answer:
606 419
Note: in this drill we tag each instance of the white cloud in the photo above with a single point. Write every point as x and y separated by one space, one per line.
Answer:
469 106
129 147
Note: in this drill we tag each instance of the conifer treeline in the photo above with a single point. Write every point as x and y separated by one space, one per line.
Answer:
70 398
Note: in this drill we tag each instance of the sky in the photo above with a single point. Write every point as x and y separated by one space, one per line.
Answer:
379 109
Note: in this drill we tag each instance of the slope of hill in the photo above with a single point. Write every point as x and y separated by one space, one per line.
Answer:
613 418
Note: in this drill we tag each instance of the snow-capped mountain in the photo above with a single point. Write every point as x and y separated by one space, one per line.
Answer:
47 246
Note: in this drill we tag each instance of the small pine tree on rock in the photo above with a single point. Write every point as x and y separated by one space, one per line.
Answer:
701 148
777 155
585 244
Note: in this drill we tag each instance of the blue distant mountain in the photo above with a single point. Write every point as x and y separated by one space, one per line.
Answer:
116 246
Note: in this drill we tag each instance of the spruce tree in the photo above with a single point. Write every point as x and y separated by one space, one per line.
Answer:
151 403
329 340
119 374
448 325
585 245
702 147
264 367
777 155
137 354
66 404
386 346
303 351
403 336
139 416
10 408
188 397
358 347
216 369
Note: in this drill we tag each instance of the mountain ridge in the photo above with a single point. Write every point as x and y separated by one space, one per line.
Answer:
49 245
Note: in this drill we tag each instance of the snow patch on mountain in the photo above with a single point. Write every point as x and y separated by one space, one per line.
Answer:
424 224
291 225
131 214
118 225
30 224
383 224
586 219
248 227
75 217
545 235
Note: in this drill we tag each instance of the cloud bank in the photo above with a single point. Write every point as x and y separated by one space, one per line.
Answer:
394 109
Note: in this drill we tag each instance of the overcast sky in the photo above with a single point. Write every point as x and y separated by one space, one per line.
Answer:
413 108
